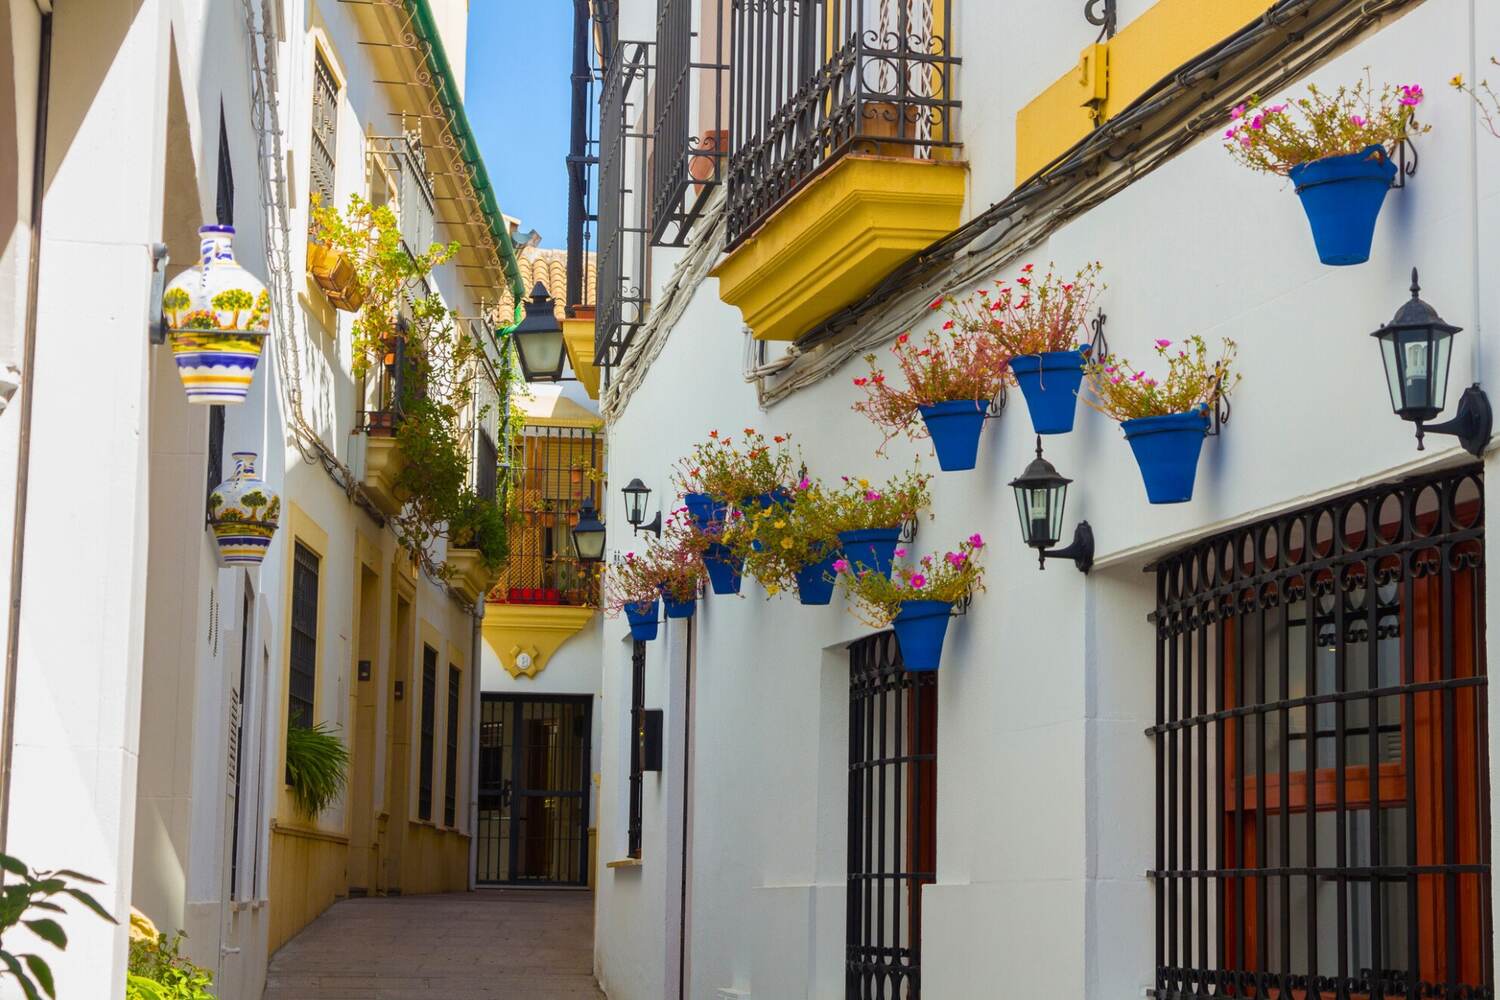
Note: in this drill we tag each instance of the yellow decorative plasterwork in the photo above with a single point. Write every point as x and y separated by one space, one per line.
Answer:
383 463
470 577
578 338
533 630
1108 77
837 238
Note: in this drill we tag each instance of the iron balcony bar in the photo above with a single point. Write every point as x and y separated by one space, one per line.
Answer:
623 232
689 140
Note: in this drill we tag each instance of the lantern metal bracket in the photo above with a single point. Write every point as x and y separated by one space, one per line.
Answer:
1406 157
1472 423
653 526
962 605
1098 346
1081 551
157 327
908 531
1221 410
997 405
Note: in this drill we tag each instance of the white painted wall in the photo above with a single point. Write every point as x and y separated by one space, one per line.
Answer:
1045 797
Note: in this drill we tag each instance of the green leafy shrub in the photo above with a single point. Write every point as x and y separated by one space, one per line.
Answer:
157 971
28 899
317 767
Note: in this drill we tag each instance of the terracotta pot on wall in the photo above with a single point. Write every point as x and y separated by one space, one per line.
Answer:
716 142
883 120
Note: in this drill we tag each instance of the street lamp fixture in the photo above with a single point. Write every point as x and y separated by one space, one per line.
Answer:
588 534
1041 492
636 495
1417 347
539 339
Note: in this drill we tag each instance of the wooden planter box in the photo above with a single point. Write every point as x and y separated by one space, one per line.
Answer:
335 275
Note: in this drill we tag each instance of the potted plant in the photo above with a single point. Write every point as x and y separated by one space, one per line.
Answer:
1336 148
715 543
631 589
1165 422
792 547
1036 324
217 317
720 473
317 766
677 566
918 601
951 378
867 520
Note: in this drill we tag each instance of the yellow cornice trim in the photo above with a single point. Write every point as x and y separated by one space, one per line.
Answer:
578 338
837 238
533 630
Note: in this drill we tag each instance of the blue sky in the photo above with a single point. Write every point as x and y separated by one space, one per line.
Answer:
516 96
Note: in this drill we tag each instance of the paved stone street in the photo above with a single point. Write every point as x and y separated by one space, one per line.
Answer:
515 944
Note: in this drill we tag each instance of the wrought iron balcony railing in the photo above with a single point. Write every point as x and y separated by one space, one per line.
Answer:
383 392
554 478
690 144
815 80
399 163
624 170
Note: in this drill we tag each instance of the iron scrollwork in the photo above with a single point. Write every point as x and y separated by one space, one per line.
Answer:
1103 14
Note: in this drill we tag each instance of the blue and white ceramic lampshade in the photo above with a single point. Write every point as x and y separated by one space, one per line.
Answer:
244 514
217 315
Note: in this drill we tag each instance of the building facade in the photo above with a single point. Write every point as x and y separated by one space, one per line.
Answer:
1246 753
145 739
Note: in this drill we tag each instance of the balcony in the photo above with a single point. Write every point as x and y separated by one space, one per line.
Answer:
843 155
379 422
690 115
399 179
544 596
624 171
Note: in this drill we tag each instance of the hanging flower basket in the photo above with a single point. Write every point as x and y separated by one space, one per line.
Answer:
1049 382
678 609
244 514
871 548
954 427
703 509
1342 196
920 628
815 580
725 569
217 316
1166 449
643 621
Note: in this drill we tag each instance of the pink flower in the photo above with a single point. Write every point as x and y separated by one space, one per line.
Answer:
955 558
871 496
841 565
1238 112
918 581
976 541
1245 140
1164 344
1117 379
1110 370
1356 121
900 553
1411 95
861 382
1257 123
1137 376
803 484
1229 133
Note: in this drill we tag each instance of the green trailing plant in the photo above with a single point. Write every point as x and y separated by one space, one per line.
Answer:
30 901
157 970
670 567
317 766
877 598
1193 381
445 367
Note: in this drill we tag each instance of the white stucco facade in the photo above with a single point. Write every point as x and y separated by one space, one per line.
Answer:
1045 812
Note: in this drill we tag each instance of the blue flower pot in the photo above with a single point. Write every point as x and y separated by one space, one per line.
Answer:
779 497
955 427
871 548
920 629
678 609
642 618
1342 196
815 580
724 570
703 509
1050 382
1166 448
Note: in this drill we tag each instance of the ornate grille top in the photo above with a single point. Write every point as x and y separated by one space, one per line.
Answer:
690 115
623 226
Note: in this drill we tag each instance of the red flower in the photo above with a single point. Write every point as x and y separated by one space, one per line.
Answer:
877 379
1023 282
861 382
1027 269
984 293
713 434
948 325
778 439
937 303
903 338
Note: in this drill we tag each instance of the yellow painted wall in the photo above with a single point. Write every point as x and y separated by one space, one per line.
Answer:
1168 34
309 871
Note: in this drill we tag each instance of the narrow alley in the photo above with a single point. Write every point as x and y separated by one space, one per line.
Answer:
518 944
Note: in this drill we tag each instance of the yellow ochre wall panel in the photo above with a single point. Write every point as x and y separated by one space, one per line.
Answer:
1168 34
309 871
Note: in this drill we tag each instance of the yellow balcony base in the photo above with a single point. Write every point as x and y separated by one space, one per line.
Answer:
524 636
837 238
470 577
578 338
383 463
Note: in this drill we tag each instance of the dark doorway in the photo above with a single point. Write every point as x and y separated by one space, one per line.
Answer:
534 789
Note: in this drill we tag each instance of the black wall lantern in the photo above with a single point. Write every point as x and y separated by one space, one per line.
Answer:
1041 493
1417 347
588 534
539 339
636 495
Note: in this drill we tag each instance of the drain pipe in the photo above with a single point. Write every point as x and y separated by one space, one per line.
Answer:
23 451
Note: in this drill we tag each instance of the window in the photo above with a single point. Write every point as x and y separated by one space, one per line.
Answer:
486 467
624 282
450 757
429 720
325 117
637 722
1321 752
690 114
303 675
892 819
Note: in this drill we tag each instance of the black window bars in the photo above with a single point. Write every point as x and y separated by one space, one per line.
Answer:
892 819
637 772
1321 753
814 80
690 144
302 669
624 171
450 749
325 119
401 163
429 733
556 475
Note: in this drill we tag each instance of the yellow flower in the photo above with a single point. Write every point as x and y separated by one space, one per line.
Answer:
772 590
1457 81
786 543
864 484
780 524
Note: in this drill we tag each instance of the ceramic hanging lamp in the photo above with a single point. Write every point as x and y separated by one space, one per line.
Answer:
217 315
244 514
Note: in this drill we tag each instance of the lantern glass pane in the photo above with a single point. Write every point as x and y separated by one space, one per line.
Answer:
588 543
1058 498
541 353
1442 350
1393 361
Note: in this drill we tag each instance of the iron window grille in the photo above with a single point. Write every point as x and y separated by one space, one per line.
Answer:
399 169
303 667
1321 767
593 31
384 391
553 481
815 80
623 289
892 819
689 141
637 724
450 751
325 119
429 725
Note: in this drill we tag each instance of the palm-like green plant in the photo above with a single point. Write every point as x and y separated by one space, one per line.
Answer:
317 766
28 898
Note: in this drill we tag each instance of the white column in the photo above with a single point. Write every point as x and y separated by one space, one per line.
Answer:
83 592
